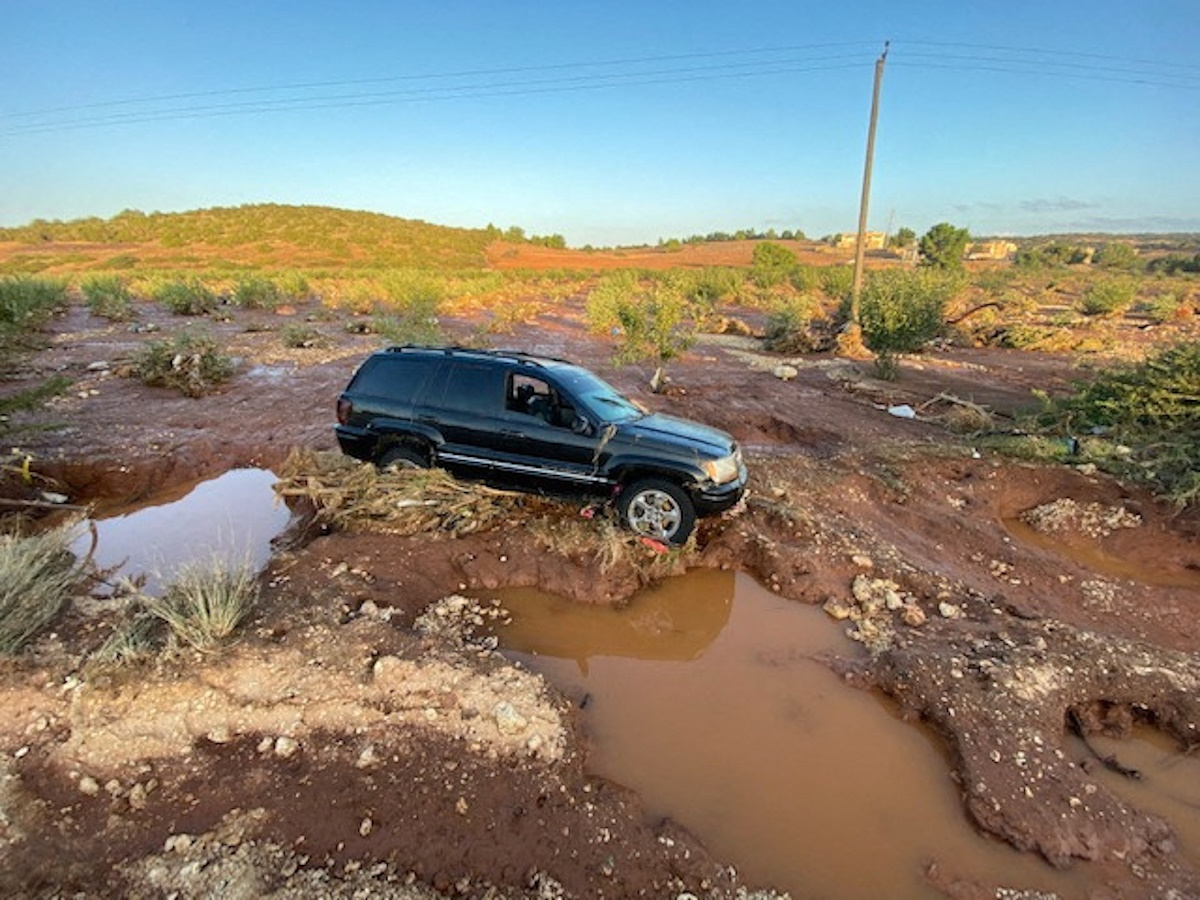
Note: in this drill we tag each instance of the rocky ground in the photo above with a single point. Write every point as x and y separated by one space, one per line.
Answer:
361 738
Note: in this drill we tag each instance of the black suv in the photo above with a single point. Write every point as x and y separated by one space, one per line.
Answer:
539 424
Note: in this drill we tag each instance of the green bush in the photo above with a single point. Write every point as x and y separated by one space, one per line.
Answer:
108 296
771 264
1166 307
837 281
294 285
257 292
191 363
900 311
186 297
27 302
1108 298
786 328
37 577
1142 421
300 336
1117 255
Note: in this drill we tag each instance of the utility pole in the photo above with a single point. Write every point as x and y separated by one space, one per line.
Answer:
860 244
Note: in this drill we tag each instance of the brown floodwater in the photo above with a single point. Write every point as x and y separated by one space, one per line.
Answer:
1168 782
707 696
231 519
1097 559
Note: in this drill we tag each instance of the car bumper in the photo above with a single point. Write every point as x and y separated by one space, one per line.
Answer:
715 498
356 442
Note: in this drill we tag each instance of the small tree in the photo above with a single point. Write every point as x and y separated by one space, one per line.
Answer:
772 263
943 245
650 323
901 311
904 237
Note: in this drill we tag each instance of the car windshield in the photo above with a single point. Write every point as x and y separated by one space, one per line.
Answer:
599 398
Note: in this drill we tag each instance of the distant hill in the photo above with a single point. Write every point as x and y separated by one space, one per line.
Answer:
252 236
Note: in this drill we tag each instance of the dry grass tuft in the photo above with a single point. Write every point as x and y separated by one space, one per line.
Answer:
37 576
205 603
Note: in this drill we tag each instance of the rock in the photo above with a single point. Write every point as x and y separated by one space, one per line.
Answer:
912 615
508 720
785 372
286 747
88 785
99 365
862 561
950 611
837 609
137 796
365 828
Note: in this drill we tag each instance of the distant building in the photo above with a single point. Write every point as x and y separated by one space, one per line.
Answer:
991 250
873 240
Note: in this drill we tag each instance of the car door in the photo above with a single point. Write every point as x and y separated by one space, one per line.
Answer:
465 406
537 441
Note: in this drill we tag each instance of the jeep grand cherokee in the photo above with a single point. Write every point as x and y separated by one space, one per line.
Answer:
540 424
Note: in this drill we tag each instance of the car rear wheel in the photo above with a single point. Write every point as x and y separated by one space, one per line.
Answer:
402 457
658 509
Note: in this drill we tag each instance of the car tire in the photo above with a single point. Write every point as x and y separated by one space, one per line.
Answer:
658 509
402 456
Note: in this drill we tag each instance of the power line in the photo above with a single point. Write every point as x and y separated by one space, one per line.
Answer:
467 73
450 92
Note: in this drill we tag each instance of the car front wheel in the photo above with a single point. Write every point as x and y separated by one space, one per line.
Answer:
658 509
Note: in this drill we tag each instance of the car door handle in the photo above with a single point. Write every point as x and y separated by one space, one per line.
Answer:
510 433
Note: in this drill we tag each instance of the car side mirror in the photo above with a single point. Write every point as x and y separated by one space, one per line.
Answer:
580 425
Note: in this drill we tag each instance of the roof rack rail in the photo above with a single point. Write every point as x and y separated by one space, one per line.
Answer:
515 355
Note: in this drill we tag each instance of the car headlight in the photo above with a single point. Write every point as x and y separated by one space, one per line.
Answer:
724 469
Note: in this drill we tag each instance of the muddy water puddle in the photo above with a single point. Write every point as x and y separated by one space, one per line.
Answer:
231 518
1167 782
708 698
1096 559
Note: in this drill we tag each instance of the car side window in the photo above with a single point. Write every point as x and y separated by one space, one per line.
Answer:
474 388
534 397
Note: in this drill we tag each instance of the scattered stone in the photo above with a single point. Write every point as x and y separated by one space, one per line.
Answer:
89 786
862 561
837 609
912 615
785 372
365 828
461 806
286 747
508 720
949 610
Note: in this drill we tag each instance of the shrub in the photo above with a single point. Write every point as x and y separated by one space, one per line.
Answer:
27 302
607 298
1117 255
108 296
1167 307
1144 419
1107 298
37 576
771 263
406 328
294 285
900 311
257 292
300 336
205 603
786 328
837 281
187 297
191 363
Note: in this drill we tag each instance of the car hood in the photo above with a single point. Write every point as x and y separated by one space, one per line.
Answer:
685 434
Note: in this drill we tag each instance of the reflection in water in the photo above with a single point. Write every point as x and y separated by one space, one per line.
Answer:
232 518
674 624
728 724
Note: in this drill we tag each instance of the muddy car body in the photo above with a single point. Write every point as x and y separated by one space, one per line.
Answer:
539 424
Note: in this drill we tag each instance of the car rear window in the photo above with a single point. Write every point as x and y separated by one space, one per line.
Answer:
397 378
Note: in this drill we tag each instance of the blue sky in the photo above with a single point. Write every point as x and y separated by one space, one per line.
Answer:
609 122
